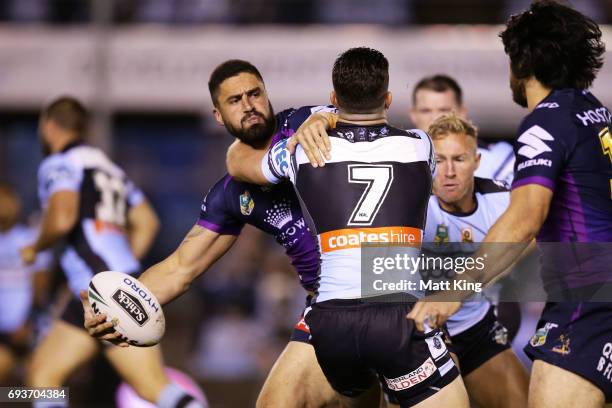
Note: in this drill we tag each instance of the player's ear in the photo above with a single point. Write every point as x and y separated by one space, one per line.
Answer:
477 160
388 99
462 112
411 115
333 99
218 117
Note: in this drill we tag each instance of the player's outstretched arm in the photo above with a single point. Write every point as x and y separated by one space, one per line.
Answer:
169 278
200 249
143 225
58 220
519 224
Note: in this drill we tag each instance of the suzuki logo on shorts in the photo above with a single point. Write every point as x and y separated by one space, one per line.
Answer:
132 306
413 378
353 237
533 142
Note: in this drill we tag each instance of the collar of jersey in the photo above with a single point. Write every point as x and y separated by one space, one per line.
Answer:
461 213
353 125
70 146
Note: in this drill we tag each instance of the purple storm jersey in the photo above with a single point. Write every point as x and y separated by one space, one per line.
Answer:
565 145
230 204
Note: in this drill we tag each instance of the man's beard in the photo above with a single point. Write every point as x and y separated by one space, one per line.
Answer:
259 134
518 91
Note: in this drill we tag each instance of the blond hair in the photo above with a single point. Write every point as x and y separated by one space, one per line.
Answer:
452 123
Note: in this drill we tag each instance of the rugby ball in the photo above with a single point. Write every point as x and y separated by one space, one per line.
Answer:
132 307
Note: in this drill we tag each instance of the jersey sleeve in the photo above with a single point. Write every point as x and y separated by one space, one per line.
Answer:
290 120
431 221
58 174
215 213
277 165
546 139
429 146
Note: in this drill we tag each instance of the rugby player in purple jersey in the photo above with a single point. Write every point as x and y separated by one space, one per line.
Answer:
242 106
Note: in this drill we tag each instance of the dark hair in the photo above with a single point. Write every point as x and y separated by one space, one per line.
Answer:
69 114
439 83
226 70
559 46
361 79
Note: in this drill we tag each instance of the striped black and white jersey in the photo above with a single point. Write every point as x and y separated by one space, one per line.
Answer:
98 242
16 291
456 233
496 161
374 189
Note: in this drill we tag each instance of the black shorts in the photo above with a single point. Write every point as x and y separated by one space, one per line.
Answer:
18 349
73 313
577 337
481 342
356 340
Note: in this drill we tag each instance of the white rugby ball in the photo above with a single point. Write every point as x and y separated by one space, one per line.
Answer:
132 307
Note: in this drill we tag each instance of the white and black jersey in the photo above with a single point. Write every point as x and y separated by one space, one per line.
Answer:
98 242
16 291
456 232
496 161
373 190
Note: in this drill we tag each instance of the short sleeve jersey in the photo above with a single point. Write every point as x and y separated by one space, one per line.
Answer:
230 204
565 145
373 190
98 242
16 278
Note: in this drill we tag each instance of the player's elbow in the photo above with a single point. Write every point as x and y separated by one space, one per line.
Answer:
64 221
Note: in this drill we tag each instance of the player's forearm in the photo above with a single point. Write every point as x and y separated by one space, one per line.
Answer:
166 280
199 250
53 230
505 243
143 225
244 163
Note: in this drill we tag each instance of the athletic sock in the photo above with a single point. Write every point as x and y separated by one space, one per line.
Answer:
172 396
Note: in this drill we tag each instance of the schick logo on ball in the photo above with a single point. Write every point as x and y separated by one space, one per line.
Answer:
141 293
132 306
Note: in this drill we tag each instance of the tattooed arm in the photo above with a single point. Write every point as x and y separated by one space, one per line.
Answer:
199 250
170 278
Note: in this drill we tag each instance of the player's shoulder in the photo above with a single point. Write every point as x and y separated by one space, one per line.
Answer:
227 187
58 163
493 195
489 186
554 112
289 120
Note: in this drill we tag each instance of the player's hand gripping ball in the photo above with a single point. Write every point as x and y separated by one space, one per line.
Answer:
133 309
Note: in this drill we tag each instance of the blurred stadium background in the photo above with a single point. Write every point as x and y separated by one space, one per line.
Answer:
142 67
